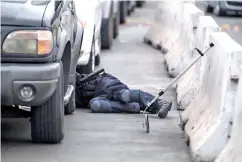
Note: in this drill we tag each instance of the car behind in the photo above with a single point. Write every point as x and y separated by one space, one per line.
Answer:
221 8
89 13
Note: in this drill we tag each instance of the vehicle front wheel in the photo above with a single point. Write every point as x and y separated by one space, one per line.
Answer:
123 12
47 120
218 11
209 9
107 34
116 25
97 60
139 3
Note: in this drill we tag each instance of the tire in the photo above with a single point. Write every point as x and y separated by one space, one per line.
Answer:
129 9
107 34
209 9
123 12
47 120
116 26
133 9
139 3
97 60
218 11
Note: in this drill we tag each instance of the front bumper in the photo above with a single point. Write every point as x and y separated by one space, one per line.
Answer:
42 78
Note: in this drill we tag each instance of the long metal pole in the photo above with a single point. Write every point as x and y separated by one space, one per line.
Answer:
180 75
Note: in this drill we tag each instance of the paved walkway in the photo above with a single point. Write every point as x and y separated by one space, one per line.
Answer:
112 137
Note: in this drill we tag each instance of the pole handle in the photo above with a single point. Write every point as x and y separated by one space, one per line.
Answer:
92 75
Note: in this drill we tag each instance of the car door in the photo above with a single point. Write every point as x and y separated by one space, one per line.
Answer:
73 23
66 18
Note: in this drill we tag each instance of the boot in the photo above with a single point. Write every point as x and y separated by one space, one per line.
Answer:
163 107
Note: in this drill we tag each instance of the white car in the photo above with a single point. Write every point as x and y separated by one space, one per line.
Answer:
222 8
110 22
89 13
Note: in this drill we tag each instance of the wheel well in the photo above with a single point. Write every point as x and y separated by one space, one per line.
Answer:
66 60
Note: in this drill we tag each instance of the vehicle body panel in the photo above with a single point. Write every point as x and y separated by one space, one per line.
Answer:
90 15
20 13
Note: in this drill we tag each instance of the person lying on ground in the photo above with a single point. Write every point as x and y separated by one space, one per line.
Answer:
105 93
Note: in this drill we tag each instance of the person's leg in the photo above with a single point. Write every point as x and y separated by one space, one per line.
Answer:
123 96
103 105
161 106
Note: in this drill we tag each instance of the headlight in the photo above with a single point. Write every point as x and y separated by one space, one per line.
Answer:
29 42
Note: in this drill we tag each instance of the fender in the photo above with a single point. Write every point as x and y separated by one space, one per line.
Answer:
75 54
86 46
62 39
87 37
76 49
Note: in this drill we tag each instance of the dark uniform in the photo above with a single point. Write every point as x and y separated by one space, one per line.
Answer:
105 93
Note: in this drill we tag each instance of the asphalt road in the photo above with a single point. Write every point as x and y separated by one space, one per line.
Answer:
111 137
231 24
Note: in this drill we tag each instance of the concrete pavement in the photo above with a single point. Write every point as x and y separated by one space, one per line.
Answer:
111 137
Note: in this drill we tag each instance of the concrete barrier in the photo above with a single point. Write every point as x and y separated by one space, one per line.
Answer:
179 54
233 150
210 120
172 27
206 120
190 84
165 28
